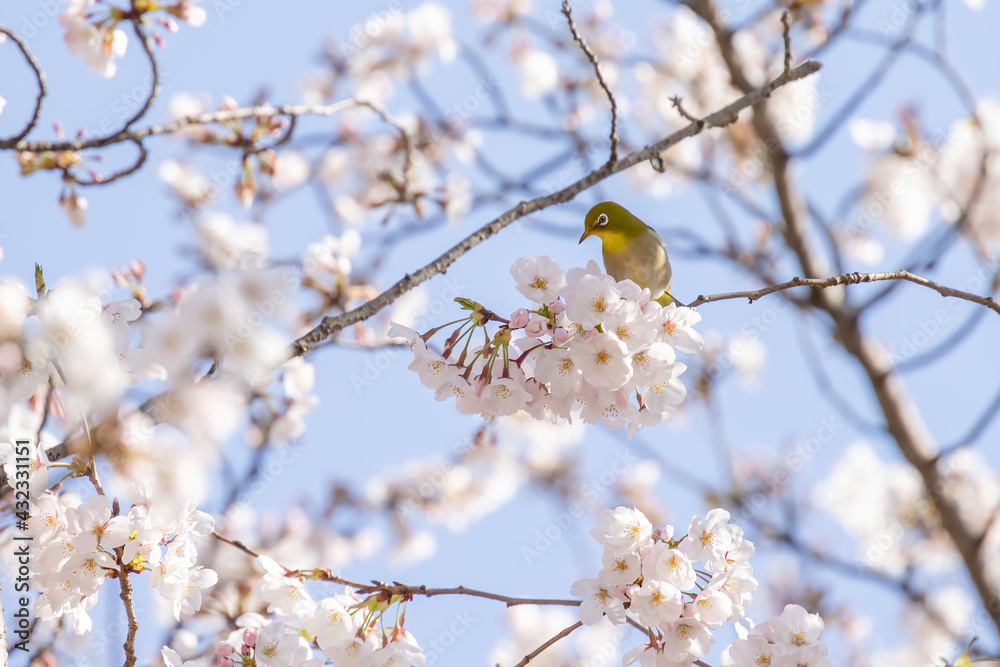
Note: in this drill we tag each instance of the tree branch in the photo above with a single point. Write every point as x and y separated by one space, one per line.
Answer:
592 57
404 590
559 635
133 623
155 87
261 111
39 78
331 325
851 279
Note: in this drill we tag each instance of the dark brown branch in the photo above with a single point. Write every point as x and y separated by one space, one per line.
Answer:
331 325
559 635
592 57
675 101
787 38
155 88
39 78
851 279
128 171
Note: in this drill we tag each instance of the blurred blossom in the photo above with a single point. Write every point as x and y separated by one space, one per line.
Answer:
227 244
292 170
429 25
749 356
186 182
539 73
99 47
875 501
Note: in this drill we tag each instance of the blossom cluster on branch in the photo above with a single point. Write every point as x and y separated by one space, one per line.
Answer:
652 574
83 542
589 344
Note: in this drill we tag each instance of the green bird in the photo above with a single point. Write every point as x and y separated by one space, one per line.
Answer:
632 249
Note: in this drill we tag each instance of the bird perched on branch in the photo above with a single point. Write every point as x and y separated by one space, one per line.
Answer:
632 249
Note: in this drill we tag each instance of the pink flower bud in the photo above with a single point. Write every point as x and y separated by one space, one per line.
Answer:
537 326
560 336
228 104
227 662
250 637
592 333
557 306
223 649
519 318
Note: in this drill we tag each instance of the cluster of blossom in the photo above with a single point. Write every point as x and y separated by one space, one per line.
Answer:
347 629
788 640
92 32
883 505
79 543
691 67
86 345
590 345
365 170
651 574
75 338
911 174
653 571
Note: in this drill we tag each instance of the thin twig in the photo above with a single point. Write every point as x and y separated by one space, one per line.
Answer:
154 89
786 36
261 111
39 78
675 101
127 171
592 57
559 635
404 590
851 279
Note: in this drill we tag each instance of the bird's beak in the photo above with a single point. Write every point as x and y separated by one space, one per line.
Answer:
586 233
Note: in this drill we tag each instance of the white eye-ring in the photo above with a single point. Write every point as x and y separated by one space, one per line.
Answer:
602 220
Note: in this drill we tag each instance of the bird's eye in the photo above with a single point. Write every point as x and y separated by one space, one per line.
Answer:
602 220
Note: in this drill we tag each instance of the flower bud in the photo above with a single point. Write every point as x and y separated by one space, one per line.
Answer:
519 318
